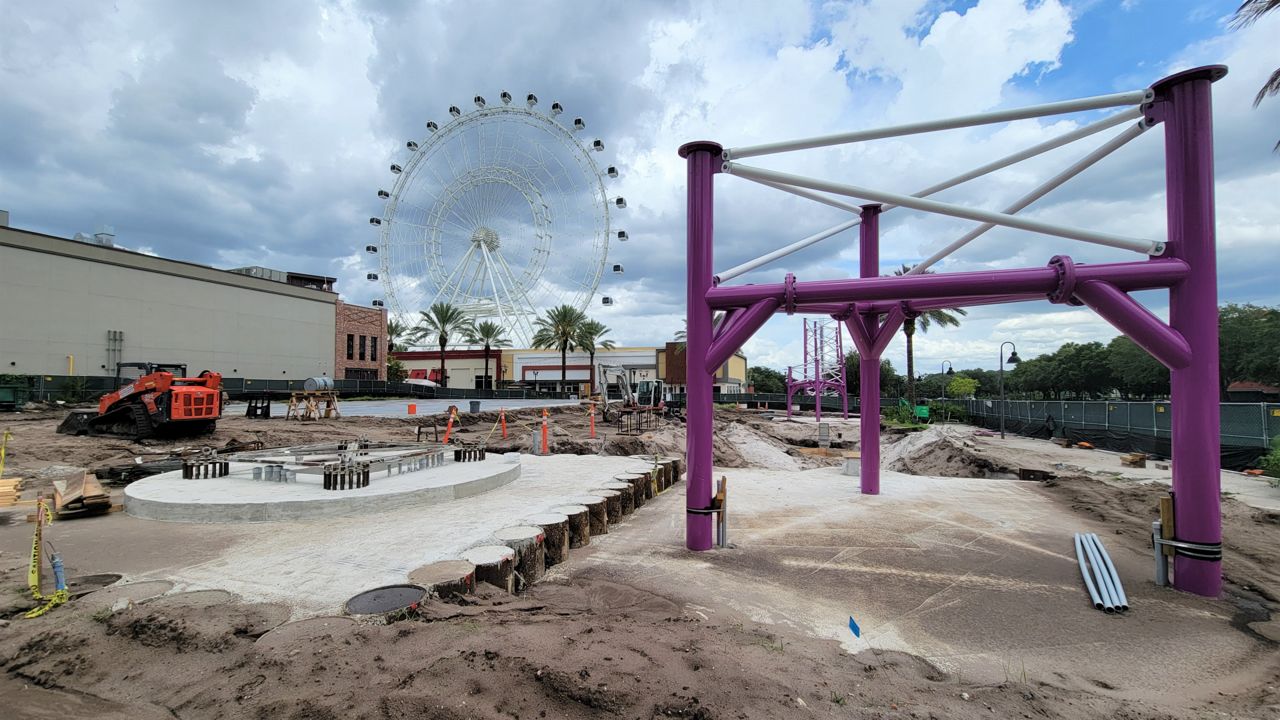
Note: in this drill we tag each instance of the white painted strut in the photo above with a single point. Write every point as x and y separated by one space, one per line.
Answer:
1033 151
1049 185
1149 247
1134 97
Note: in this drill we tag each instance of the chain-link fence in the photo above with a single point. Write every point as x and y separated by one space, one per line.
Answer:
1243 424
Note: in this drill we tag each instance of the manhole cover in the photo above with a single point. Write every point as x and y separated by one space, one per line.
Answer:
389 598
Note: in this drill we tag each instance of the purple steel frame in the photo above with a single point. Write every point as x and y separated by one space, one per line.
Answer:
824 378
873 308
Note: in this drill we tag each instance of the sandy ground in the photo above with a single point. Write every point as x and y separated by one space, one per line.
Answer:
964 587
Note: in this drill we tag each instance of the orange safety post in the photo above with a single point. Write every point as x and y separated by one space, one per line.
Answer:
448 428
413 409
502 417
545 451
592 412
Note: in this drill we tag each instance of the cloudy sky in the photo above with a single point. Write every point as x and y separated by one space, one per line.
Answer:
257 133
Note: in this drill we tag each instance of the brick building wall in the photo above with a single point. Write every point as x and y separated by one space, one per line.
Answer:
360 342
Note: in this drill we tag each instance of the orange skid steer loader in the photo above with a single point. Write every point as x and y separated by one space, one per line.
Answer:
161 402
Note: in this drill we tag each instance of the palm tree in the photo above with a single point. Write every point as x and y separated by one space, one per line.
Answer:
441 321
588 339
943 318
1249 12
491 335
558 330
396 329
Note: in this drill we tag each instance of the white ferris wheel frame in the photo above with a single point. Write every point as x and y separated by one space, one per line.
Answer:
510 302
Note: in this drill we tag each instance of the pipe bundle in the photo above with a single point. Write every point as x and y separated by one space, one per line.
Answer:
1099 573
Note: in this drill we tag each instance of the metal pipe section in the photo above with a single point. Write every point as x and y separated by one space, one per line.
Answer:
749 321
1004 162
1084 573
1184 103
1099 102
1023 281
1131 318
1121 599
869 362
1146 247
703 161
1043 189
1162 564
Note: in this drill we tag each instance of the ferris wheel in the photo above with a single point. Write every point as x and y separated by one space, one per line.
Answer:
502 211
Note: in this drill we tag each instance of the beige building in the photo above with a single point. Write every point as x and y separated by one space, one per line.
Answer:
72 307
541 368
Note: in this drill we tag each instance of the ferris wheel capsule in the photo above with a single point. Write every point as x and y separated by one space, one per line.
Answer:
479 101
375 221
431 126
620 201
606 300
623 236
597 145
396 169
578 124
384 195
612 172
413 146
556 109
506 97
454 111
531 99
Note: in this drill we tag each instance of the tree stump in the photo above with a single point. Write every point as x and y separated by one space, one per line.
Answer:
626 494
555 526
677 469
447 578
635 480
651 481
612 503
599 513
531 555
495 564
579 524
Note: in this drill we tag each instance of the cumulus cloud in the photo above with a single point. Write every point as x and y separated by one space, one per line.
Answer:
257 133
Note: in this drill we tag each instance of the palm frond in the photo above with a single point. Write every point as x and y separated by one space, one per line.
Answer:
1250 11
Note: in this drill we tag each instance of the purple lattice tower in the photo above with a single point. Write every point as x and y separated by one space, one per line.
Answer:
822 374
873 307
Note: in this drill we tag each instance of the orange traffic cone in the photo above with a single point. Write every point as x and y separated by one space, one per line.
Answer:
448 428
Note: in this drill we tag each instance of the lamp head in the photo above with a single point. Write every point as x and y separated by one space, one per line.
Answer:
1013 358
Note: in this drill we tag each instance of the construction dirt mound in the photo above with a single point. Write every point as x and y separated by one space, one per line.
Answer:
941 451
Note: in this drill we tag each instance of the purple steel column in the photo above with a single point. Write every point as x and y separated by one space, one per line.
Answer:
817 371
869 363
1183 101
704 161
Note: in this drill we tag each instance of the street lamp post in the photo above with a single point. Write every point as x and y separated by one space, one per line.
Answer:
535 382
948 372
1013 360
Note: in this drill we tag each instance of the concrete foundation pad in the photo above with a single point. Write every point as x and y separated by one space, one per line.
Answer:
239 498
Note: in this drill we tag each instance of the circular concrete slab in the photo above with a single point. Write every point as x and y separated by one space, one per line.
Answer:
133 592
570 509
517 533
384 600
587 499
239 498
547 518
85 584
488 554
193 600
292 636
446 578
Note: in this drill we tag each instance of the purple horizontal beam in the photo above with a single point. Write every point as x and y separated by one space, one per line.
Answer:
951 302
1126 276
745 325
1131 318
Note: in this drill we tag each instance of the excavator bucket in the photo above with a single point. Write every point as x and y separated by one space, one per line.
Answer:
78 422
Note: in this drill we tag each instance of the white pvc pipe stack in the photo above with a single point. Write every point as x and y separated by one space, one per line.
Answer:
1099 573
